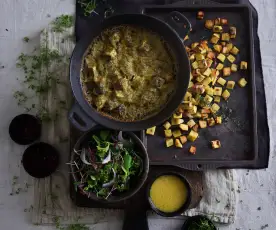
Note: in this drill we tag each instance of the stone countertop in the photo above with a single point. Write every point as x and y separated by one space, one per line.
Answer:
19 18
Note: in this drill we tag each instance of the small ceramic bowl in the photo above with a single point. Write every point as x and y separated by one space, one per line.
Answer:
24 129
40 160
185 205
196 219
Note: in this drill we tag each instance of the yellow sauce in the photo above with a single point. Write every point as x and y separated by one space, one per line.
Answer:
168 193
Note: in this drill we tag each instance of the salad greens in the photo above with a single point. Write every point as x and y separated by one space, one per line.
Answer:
109 165
202 224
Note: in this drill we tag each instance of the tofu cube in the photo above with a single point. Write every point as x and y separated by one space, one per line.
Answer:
215 107
217 29
218 48
218 120
219 66
209 24
211 55
215 144
229 47
234 50
192 150
210 91
195 127
208 99
195 65
226 71
234 68
188 96
211 121
179 115
221 81
214 39
204 116
243 65
242 82
230 85
151 131
191 123
168 132
225 37
202 124
192 135
169 142
225 94
183 139
221 57
217 99
184 127
176 133
200 78
177 121
217 91
224 50
231 58
199 57
178 144
207 72
194 45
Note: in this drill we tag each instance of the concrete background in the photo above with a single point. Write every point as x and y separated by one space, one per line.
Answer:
20 18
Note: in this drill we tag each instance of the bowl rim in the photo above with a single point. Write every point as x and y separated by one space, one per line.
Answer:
183 207
130 192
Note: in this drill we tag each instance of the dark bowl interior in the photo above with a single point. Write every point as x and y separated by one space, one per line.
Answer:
135 183
197 219
24 129
185 205
40 160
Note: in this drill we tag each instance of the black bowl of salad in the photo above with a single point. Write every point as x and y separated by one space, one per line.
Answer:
108 165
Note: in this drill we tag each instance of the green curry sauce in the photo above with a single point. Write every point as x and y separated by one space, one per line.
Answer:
128 73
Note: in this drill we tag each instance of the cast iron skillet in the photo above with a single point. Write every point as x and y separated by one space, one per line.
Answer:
176 27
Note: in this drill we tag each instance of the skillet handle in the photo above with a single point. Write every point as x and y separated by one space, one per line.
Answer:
179 23
79 119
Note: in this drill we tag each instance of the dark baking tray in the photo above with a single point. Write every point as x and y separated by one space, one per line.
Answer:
238 135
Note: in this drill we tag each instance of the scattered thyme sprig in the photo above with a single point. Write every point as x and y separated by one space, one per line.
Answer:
88 6
62 22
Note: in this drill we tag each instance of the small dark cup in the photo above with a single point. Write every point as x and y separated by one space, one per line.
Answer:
40 160
196 219
24 129
185 205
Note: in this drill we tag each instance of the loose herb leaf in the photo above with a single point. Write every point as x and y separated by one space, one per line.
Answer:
62 22
88 6
26 39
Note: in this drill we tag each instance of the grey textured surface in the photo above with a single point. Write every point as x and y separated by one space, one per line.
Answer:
27 18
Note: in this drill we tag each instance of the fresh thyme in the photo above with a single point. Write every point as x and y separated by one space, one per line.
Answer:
88 6
62 22
26 39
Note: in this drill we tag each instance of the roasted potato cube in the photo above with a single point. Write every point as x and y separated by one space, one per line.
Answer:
168 132
207 72
184 127
169 142
200 15
206 82
217 29
198 115
223 43
225 94
186 37
176 133
230 85
202 124
215 144
234 50
195 127
151 131
204 110
192 57
200 78
221 81
218 48
177 121
215 107
243 65
192 150
199 57
210 91
221 57
204 115
193 110
234 68
217 21
194 45
208 99
178 115
218 120
225 50
178 144
188 96
233 32
209 24
217 91
214 39
217 99
211 55
229 46
191 123
211 121
209 62
226 71
183 139
225 37
195 65
231 58
167 125
242 82
187 104
192 135
223 21
219 66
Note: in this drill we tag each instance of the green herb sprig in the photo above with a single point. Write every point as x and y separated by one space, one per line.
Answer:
62 22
